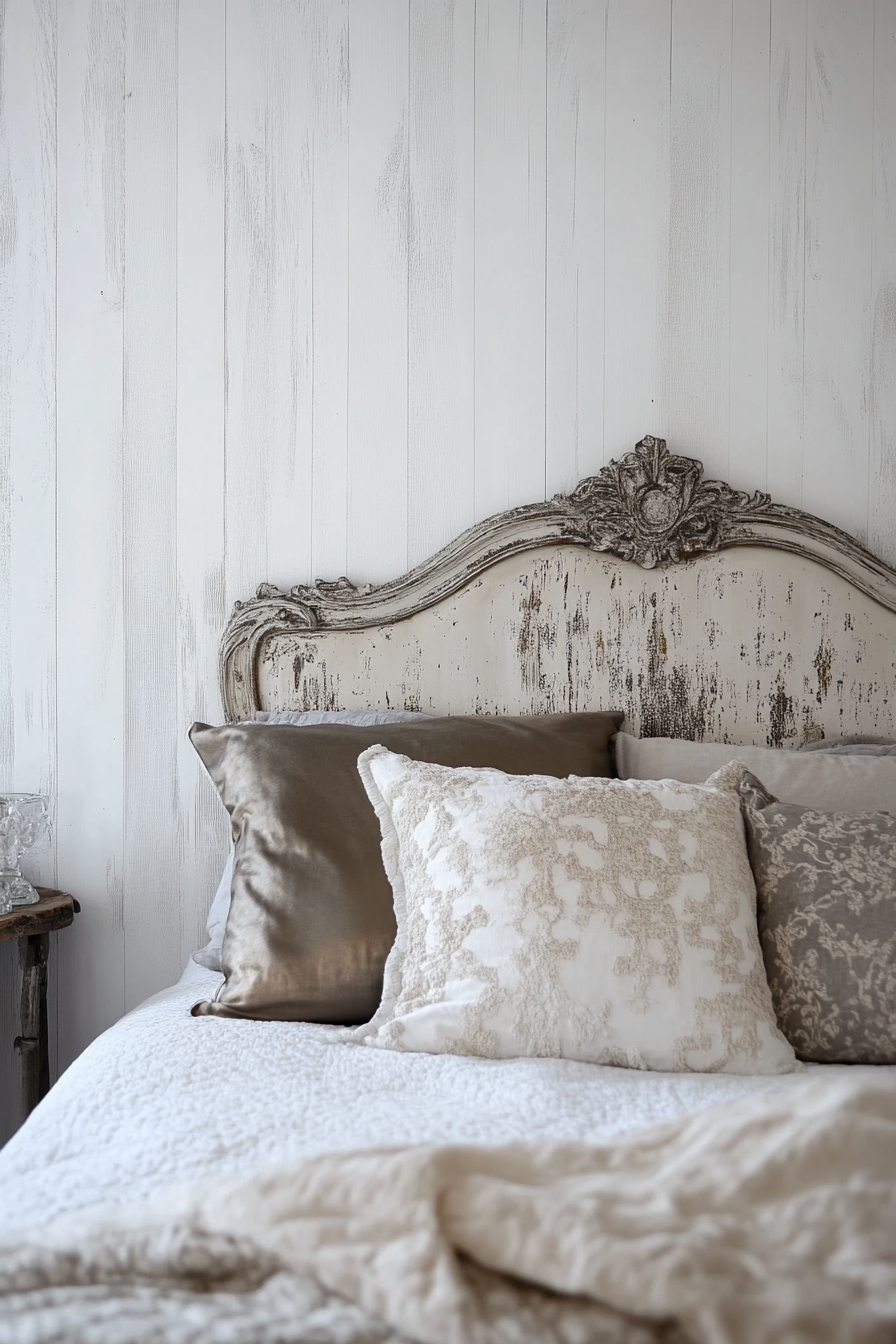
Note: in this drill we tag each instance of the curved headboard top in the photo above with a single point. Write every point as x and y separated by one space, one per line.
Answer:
701 610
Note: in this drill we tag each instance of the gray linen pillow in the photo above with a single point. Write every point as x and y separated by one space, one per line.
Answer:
813 779
826 902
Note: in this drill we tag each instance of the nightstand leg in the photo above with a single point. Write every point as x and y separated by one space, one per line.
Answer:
33 1044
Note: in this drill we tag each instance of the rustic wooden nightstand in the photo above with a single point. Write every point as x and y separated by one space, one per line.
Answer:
32 925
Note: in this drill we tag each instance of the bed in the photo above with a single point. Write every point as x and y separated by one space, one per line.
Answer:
702 613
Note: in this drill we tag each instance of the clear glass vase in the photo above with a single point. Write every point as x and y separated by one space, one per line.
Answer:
24 818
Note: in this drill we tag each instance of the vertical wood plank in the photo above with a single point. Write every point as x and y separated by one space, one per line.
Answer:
90 688
749 244
636 227
248 448
882 463
269 295
149 502
378 290
511 146
329 298
200 446
576 86
28 395
698 296
839 117
27 442
440 274
787 253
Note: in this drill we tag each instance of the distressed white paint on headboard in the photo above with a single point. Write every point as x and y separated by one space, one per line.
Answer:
701 611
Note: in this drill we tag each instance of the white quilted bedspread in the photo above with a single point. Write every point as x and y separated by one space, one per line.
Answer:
164 1098
768 1222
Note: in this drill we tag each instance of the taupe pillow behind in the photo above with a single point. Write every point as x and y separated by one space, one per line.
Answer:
311 920
826 900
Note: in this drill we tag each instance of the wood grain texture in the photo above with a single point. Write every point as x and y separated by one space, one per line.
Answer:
636 220
574 245
748 211
511 145
90 649
27 423
787 254
379 235
330 80
698 280
441 306
54 910
839 146
10 987
269 294
149 501
882 409
202 831
32 1045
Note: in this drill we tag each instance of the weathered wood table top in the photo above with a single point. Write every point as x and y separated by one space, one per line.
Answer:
54 910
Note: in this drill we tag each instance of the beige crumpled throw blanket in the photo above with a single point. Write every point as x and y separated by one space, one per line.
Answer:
762 1221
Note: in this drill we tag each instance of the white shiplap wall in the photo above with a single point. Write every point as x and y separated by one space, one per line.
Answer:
292 288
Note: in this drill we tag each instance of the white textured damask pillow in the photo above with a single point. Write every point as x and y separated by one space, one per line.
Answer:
584 918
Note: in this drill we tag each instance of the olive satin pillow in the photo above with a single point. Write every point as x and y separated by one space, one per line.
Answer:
311 919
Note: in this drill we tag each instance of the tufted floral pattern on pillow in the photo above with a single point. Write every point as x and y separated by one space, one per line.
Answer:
827 920
591 919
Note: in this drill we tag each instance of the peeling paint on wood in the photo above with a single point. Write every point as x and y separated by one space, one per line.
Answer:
565 628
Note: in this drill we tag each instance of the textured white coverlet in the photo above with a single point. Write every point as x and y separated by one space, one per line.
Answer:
163 1098
769 1221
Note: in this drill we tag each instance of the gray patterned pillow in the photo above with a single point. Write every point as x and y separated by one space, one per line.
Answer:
826 899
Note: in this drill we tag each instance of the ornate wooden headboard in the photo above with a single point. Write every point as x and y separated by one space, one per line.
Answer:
702 611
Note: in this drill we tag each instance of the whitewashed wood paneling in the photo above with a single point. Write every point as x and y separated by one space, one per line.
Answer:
152 729
882 380
378 242
90 689
27 442
697 279
293 288
636 221
268 254
329 289
510 112
574 244
748 334
200 448
839 152
441 259
787 253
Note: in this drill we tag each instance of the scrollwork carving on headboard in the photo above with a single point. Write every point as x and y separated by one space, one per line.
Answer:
652 508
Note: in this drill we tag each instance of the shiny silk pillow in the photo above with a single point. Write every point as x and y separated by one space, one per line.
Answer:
311 919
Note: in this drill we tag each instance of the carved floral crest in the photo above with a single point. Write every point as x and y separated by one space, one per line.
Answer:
655 508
